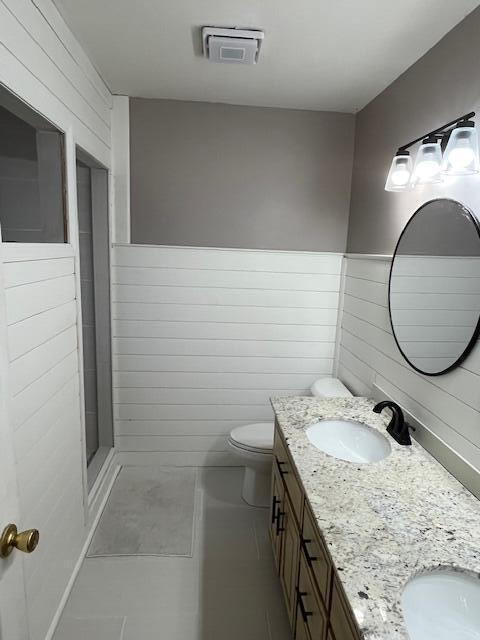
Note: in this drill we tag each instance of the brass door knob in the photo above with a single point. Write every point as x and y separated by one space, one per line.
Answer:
11 539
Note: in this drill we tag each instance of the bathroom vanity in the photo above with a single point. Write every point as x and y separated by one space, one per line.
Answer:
347 537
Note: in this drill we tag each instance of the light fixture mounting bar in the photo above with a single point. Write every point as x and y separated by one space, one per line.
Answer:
441 130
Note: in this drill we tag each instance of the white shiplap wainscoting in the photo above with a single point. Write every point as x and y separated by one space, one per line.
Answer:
204 336
45 410
447 405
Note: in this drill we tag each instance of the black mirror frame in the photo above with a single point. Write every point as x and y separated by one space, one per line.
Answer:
476 332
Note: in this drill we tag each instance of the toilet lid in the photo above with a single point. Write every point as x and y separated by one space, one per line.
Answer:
256 437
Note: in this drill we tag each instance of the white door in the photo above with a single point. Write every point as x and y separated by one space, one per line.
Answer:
13 617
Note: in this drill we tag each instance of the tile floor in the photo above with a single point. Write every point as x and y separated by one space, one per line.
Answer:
228 590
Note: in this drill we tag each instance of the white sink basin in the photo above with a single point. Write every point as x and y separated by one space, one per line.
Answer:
442 605
349 440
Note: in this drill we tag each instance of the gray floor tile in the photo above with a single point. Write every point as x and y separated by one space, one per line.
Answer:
170 626
71 628
229 589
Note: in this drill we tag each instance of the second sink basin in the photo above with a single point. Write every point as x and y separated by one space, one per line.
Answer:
442 605
349 440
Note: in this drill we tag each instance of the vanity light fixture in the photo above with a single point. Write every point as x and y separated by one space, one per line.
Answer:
428 163
400 172
459 141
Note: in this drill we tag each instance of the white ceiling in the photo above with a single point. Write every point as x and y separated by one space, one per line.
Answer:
317 54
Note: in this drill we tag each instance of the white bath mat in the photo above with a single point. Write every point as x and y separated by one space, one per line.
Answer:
150 511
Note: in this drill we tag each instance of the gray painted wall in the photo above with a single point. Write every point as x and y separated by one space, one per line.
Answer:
227 176
442 85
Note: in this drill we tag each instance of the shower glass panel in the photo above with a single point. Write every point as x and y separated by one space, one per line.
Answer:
88 308
92 194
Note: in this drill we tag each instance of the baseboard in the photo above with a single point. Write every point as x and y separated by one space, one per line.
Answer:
179 458
105 483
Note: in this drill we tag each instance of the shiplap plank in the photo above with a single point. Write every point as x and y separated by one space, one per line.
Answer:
32 332
372 270
26 252
175 427
226 259
225 278
48 452
179 458
252 413
19 79
19 273
51 15
43 33
31 431
226 380
366 290
34 364
226 313
352 382
28 52
31 299
223 331
428 284
31 399
219 364
233 348
227 295
365 310
200 396
172 443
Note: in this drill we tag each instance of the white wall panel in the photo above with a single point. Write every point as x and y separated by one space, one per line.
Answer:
449 405
204 337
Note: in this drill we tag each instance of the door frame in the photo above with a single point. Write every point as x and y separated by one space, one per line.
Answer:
100 204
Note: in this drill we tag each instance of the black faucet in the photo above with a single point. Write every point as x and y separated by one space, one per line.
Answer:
397 427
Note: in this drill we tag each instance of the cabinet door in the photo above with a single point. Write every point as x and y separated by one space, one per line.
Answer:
310 606
301 629
289 557
276 510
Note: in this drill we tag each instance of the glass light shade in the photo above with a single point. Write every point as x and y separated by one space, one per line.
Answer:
461 153
428 163
398 178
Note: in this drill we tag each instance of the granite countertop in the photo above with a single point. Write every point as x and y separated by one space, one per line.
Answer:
383 522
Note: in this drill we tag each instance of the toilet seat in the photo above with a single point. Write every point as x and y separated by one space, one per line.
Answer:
255 438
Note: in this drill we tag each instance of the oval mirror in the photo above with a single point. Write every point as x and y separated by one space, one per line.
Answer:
434 289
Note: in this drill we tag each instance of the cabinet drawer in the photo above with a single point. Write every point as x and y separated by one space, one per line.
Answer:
309 604
341 618
316 554
285 468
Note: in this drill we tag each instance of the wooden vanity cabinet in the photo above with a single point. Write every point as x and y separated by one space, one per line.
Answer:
316 605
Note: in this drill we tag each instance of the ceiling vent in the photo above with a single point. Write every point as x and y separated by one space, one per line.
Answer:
235 46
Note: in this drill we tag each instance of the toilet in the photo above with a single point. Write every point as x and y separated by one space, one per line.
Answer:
253 444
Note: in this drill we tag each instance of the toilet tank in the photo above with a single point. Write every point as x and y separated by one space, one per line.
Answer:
329 388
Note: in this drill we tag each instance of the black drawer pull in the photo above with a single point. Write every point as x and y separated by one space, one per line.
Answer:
303 611
283 472
275 501
308 557
280 515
